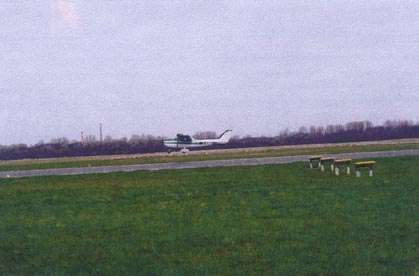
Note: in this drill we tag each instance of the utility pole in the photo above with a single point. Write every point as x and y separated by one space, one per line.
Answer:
82 137
100 133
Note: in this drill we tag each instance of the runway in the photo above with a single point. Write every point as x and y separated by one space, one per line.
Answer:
200 164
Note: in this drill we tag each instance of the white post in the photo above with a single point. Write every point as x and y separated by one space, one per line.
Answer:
371 173
337 171
348 170
322 167
358 173
332 167
311 165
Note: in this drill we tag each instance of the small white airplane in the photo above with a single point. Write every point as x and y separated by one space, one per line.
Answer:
184 142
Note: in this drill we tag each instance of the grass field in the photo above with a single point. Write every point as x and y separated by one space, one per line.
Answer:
252 220
263 152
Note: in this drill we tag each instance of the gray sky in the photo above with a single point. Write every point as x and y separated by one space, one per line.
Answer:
162 67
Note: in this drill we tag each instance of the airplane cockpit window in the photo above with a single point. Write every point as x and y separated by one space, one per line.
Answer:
184 138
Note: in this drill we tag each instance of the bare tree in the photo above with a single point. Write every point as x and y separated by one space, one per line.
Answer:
90 139
107 139
303 130
60 141
135 138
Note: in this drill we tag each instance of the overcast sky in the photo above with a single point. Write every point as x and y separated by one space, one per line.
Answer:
163 67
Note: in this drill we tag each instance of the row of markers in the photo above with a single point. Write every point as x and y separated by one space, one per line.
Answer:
337 164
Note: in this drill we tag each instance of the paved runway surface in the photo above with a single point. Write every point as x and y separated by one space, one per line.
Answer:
201 164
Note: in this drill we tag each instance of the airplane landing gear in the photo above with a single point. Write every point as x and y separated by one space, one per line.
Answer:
184 150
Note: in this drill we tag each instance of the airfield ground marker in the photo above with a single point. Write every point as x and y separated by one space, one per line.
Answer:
343 163
315 159
365 164
326 160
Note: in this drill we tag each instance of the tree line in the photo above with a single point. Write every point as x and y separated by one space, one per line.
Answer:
350 132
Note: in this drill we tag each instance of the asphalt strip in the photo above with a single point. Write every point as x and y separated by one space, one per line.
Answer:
202 164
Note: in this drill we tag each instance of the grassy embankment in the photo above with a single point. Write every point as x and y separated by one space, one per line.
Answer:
265 219
265 152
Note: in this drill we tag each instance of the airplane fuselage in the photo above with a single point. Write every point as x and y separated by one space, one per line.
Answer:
186 141
173 143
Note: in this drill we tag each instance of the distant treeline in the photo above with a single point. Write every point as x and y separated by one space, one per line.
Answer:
350 132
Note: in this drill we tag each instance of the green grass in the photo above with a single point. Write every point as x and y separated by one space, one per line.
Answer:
245 220
75 162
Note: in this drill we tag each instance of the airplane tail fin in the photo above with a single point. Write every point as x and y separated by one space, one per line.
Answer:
224 137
